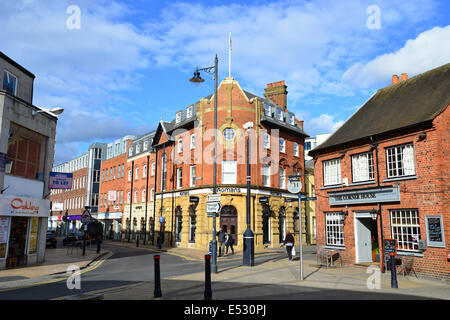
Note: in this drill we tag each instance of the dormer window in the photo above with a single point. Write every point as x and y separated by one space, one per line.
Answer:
130 152
145 145
138 148
279 114
267 110
9 83
178 117
291 120
189 112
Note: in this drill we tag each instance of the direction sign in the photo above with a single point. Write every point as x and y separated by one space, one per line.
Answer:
213 198
213 207
294 186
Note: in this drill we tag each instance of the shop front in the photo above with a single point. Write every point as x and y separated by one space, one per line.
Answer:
111 224
23 225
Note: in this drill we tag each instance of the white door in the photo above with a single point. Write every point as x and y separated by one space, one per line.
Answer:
363 240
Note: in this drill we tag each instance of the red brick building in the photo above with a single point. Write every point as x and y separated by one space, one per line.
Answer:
112 187
390 162
277 140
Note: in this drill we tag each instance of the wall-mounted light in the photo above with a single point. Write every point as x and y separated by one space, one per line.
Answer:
344 214
374 214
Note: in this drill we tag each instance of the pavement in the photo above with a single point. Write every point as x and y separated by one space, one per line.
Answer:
275 278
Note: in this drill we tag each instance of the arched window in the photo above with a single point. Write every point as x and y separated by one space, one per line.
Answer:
192 223
282 223
178 223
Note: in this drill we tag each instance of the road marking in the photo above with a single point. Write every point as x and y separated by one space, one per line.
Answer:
94 266
103 290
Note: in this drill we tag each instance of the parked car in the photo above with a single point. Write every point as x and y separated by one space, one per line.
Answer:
51 239
71 238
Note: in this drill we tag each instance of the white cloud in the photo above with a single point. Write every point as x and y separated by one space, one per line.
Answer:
429 50
325 123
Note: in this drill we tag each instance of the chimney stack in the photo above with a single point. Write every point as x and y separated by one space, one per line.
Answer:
395 79
404 76
277 93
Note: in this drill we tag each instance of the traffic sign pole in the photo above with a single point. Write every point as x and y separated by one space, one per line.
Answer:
300 233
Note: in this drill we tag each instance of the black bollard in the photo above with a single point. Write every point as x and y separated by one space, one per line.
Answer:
137 240
394 283
208 291
157 292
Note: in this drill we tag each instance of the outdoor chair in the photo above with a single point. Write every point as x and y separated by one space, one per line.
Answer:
408 265
323 256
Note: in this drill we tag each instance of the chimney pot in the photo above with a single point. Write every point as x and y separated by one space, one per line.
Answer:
395 79
404 76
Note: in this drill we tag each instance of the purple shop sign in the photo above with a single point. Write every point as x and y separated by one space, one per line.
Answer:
60 180
70 218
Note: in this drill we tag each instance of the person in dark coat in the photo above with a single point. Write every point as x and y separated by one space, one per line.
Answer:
221 240
229 242
289 243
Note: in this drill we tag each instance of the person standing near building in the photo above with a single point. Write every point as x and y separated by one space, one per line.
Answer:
229 243
289 243
221 239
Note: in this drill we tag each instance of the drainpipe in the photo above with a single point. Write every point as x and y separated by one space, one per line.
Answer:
381 251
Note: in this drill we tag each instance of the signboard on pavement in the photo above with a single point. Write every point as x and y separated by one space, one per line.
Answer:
390 246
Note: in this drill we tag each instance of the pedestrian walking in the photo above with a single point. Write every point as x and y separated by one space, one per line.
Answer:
229 243
221 239
289 243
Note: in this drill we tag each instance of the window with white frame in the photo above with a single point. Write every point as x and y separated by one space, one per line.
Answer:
334 229
152 193
180 145
145 145
282 179
9 83
192 176
189 111
400 161
405 228
128 197
153 169
282 145
279 114
267 110
292 120
129 175
144 171
295 149
130 151
143 195
362 167
164 172
229 172
193 141
266 175
135 196
178 117
179 177
332 172
228 134
136 176
266 140
138 148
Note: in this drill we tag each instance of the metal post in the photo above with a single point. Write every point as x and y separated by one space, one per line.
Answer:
154 198
300 233
84 239
249 249
157 293
131 199
146 201
214 243
394 283
162 195
208 290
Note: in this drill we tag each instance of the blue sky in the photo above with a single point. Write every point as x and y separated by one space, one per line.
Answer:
129 63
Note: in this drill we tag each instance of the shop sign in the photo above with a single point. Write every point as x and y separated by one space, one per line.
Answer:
193 199
371 195
57 206
4 224
22 206
227 190
435 231
390 246
264 200
110 215
60 180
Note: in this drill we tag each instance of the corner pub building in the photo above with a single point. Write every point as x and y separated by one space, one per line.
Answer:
385 175
186 144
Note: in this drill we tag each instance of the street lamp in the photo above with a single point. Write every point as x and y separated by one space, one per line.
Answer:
249 243
197 79
374 214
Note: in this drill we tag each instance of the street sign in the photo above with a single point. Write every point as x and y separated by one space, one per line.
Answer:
213 198
213 207
309 198
290 199
193 199
86 216
294 186
264 200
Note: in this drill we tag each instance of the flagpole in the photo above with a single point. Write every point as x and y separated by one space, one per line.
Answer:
229 56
